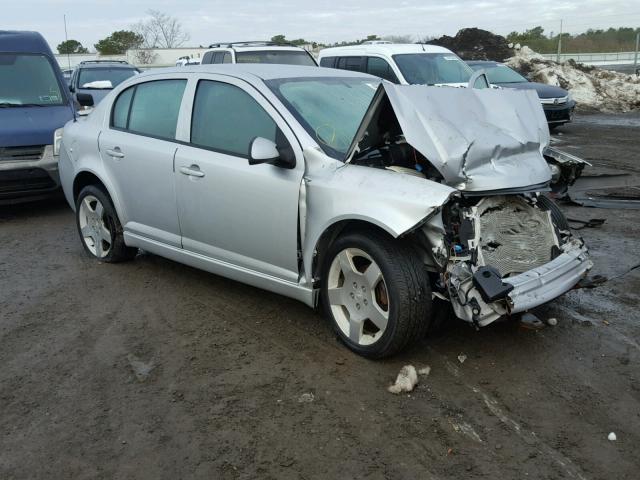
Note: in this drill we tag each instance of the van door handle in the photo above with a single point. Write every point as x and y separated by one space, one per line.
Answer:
115 153
192 171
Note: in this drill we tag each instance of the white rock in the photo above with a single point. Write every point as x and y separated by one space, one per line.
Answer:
552 321
406 381
306 398
425 371
462 358
612 437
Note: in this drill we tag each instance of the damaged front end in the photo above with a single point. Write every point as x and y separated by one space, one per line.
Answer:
505 255
494 249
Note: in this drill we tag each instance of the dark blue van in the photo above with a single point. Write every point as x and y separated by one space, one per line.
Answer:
34 102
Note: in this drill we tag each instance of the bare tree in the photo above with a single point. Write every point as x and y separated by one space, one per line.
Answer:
161 31
145 56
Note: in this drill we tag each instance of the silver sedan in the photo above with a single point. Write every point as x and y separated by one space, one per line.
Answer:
388 205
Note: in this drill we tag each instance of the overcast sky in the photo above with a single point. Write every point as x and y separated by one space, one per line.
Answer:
208 21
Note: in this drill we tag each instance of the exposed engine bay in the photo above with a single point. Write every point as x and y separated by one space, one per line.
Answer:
491 253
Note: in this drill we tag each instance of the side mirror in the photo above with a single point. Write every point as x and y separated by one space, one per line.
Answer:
262 150
85 99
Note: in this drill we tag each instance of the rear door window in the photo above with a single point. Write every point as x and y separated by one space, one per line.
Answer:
150 108
207 58
328 62
381 68
351 63
226 118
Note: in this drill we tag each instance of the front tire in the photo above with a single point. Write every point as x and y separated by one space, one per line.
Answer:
376 293
99 227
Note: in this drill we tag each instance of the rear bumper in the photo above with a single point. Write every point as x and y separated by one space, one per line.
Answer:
549 281
22 180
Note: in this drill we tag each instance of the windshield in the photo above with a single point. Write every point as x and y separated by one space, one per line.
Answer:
330 109
28 80
103 78
501 74
432 68
287 57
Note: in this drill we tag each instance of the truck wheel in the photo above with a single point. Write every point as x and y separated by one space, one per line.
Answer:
375 293
99 227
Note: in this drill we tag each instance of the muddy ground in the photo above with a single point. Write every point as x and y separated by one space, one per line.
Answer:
154 370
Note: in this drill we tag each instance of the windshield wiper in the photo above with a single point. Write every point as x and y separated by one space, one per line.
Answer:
17 105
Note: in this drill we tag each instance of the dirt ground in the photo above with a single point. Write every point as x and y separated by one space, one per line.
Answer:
154 370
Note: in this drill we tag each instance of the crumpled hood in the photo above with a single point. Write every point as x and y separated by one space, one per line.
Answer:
478 139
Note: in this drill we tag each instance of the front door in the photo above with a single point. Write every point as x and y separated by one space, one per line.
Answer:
245 215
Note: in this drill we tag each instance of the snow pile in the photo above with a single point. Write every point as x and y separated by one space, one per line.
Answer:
591 87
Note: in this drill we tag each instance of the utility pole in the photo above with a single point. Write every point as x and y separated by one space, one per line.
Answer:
635 57
66 38
559 43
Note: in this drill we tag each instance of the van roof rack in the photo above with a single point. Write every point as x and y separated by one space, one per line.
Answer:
84 62
251 43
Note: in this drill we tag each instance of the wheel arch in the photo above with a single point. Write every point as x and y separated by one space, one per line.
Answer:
88 177
334 231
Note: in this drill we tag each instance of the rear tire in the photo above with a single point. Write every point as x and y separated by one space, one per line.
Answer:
375 293
99 227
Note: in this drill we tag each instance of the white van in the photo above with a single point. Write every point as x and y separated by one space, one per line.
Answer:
401 63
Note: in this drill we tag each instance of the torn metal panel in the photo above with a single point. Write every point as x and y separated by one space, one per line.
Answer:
336 191
478 140
581 192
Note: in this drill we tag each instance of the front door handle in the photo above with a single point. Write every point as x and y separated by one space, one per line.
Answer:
192 171
115 153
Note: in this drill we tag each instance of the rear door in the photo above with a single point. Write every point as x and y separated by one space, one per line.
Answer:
138 150
244 215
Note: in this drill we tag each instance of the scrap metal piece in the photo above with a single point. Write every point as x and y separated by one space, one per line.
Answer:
581 191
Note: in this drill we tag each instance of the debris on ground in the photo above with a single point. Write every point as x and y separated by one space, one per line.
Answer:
612 437
306 398
593 88
140 369
462 358
425 371
406 380
476 44
552 321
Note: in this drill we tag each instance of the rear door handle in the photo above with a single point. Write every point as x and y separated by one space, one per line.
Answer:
192 171
115 153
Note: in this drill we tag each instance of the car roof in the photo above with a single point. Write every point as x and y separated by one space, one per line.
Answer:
114 64
264 71
246 48
23 42
384 49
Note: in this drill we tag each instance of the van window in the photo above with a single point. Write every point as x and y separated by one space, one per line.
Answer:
27 79
286 57
328 62
226 118
432 68
207 58
381 68
227 58
154 108
350 63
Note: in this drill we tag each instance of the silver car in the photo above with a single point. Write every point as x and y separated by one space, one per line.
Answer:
386 204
